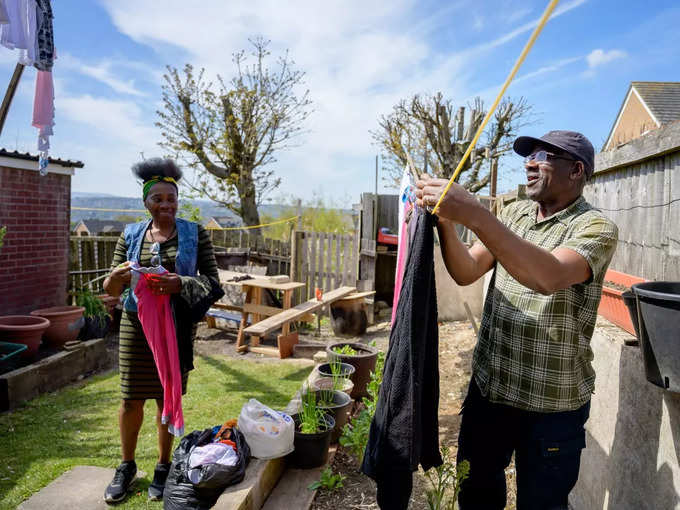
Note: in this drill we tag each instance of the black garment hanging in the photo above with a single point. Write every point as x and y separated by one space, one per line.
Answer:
405 429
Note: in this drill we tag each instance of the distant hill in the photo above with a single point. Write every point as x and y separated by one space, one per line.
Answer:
122 205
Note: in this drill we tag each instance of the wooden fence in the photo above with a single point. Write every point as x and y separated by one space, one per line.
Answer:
320 259
89 259
325 260
273 253
638 187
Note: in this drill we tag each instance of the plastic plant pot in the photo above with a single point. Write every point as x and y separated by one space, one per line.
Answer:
338 404
363 362
311 450
66 322
23 329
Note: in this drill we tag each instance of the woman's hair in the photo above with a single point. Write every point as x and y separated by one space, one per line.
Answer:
154 167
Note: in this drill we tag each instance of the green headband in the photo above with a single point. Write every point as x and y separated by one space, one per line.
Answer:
155 179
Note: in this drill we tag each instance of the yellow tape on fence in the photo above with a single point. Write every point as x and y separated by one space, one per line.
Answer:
544 19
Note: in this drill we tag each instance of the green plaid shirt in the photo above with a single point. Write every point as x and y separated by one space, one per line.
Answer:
533 351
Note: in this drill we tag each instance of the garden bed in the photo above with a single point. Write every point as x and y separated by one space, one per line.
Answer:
52 372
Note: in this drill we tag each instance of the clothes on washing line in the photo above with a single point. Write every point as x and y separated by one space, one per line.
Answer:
4 17
26 25
45 54
405 429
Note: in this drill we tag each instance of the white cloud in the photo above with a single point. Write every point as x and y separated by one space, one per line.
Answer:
600 57
360 58
101 72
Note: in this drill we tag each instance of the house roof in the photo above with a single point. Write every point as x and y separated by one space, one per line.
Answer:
96 226
662 98
34 157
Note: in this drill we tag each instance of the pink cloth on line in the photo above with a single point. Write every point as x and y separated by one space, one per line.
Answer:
402 250
155 314
43 108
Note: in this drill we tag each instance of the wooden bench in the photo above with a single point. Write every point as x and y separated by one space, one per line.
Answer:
282 320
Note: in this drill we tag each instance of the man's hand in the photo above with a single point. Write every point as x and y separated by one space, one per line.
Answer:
458 204
168 283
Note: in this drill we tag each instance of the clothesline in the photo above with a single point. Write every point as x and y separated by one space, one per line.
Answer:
26 26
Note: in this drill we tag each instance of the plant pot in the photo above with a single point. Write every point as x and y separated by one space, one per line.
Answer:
23 329
110 302
95 327
612 306
349 317
659 324
346 370
311 450
363 363
66 322
343 384
338 404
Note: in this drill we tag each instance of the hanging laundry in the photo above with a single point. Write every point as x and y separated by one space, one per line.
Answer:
43 115
45 54
4 17
405 429
27 55
155 314
406 203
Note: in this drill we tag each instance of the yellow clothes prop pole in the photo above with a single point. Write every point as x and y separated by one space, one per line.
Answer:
525 51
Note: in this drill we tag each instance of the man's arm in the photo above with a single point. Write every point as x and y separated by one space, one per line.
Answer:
534 267
465 265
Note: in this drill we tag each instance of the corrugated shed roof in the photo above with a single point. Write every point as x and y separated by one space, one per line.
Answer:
96 226
33 157
662 98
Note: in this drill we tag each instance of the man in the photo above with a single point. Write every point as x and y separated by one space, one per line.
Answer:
532 377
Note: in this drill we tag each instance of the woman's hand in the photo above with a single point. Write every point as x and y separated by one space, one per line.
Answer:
168 283
121 275
458 205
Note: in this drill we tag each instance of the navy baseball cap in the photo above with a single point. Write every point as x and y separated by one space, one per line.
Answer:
571 142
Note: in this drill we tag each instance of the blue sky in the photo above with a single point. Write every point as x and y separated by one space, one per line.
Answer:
360 58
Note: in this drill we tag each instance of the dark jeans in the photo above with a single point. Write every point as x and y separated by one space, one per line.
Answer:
547 449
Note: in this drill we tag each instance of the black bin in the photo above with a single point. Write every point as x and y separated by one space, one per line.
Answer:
659 325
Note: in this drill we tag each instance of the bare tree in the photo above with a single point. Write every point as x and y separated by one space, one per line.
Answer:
426 128
230 132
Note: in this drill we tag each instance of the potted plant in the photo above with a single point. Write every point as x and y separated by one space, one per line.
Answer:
335 376
313 428
336 403
361 356
23 329
65 323
612 305
97 318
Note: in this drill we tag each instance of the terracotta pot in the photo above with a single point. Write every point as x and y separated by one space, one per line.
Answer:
66 322
110 302
612 306
23 329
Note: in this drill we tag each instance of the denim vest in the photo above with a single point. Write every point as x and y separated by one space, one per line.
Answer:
187 250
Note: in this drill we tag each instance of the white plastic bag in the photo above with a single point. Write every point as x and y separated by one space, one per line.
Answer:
269 433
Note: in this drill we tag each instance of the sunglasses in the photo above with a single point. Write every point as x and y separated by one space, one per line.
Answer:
544 157
155 251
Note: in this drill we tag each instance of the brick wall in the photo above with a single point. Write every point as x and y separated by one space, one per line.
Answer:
34 258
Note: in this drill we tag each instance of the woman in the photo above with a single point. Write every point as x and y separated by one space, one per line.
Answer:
183 248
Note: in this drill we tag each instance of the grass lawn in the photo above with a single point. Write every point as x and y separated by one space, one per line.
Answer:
79 425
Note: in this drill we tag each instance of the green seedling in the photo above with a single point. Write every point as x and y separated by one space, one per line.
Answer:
328 481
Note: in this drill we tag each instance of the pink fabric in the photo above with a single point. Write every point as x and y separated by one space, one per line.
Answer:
155 314
43 108
402 250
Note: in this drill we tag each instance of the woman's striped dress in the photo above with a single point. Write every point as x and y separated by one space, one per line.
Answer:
138 374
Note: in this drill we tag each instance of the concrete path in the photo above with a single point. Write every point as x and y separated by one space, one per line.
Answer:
81 487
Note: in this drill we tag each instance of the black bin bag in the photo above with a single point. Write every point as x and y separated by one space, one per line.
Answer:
181 494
